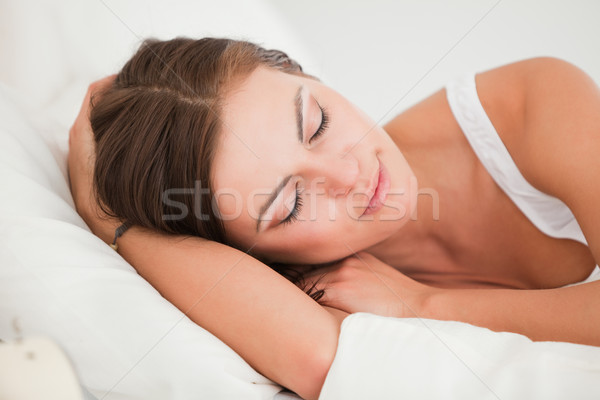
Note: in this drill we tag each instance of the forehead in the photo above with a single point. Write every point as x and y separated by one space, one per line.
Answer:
257 110
257 139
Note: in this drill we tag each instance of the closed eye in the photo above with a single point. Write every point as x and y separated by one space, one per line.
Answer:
323 126
293 216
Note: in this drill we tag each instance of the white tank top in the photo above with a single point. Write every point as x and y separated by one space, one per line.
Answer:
549 214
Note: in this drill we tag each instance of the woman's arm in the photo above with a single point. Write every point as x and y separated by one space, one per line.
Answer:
271 323
548 113
267 320
363 283
564 314
555 142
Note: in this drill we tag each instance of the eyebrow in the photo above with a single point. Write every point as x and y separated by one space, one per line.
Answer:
299 116
271 199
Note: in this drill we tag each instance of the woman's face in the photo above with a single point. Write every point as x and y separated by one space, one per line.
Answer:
303 176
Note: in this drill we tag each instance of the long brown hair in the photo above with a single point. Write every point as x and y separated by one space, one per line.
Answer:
156 128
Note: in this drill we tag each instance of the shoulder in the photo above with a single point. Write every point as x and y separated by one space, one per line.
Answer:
547 112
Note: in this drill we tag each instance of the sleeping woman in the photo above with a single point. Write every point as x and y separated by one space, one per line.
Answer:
233 170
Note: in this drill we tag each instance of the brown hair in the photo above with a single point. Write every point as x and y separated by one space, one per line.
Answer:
156 128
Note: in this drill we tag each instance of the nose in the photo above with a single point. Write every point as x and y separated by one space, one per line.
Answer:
335 172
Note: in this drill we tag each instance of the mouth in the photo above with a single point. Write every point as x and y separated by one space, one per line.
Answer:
378 190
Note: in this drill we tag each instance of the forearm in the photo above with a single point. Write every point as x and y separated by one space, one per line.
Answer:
563 314
275 327
286 336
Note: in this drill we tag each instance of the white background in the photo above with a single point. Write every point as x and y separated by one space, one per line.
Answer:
375 52
384 55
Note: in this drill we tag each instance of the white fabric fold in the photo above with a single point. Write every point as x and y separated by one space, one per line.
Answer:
392 358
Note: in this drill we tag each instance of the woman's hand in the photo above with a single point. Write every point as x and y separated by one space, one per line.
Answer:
362 283
81 166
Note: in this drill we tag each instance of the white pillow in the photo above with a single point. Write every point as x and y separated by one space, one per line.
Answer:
59 280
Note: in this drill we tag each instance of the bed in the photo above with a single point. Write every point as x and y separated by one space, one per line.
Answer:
127 342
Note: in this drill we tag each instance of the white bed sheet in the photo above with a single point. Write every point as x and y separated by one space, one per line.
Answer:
391 358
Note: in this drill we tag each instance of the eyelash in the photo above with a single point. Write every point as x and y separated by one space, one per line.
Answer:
293 216
324 124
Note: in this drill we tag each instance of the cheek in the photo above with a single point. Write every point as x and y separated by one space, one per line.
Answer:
326 212
229 203
354 122
328 237
307 242
238 218
402 197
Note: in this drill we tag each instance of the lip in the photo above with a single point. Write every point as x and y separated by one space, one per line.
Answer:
378 190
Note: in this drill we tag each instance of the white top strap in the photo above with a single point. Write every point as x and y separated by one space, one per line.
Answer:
547 213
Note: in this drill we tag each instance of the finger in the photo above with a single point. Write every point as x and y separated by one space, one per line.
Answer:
104 81
98 86
323 292
94 87
322 284
333 297
320 281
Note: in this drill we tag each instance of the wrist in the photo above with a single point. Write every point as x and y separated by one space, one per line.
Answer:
104 228
434 303
99 223
421 302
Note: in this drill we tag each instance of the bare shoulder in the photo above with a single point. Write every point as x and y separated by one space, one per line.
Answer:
547 112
